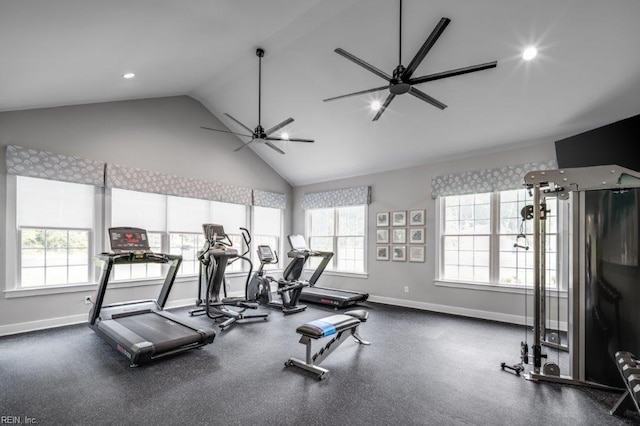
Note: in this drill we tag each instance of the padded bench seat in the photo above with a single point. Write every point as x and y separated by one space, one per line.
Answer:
334 325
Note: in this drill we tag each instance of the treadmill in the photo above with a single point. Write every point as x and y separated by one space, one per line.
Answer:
335 297
142 330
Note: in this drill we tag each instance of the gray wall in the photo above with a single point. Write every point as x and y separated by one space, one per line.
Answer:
410 189
161 134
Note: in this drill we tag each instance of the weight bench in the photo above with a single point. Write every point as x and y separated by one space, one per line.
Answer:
629 368
334 325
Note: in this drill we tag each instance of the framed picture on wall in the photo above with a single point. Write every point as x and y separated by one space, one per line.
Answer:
416 235
400 218
382 252
416 254
416 217
399 253
382 236
382 219
399 236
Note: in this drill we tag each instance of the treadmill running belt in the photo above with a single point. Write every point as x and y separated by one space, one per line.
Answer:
333 293
162 332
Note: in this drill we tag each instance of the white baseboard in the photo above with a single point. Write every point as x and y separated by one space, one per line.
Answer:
24 327
466 312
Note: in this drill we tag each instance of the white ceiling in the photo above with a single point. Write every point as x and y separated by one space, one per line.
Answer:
587 73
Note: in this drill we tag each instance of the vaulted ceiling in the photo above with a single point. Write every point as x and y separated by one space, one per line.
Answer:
586 74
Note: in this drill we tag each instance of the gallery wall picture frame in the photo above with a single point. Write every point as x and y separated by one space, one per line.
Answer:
417 217
399 236
416 254
382 252
399 253
382 236
416 235
399 218
382 219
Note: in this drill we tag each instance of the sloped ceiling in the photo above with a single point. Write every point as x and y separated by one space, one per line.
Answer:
587 72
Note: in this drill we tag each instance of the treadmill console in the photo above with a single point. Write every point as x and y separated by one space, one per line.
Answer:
128 240
297 242
132 243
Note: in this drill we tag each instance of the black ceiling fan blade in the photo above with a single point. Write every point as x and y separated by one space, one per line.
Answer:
225 131
291 140
428 44
453 73
362 92
239 123
243 145
279 126
363 64
275 148
424 97
384 106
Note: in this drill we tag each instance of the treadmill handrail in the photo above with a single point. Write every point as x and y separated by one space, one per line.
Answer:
110 259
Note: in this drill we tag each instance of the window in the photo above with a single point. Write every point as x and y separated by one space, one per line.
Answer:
339 230
185 217
478 237
54 222
267 228
180 219
232 217
140 210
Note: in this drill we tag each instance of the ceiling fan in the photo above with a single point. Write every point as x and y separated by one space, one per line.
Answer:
402 80
259 134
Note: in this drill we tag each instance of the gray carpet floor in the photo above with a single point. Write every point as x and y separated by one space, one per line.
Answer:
422 368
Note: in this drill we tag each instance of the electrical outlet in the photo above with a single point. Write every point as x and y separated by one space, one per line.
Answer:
406 289
87 300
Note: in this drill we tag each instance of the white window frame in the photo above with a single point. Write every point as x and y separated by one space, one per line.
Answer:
277 248
98 243
332 267
494 282
12 287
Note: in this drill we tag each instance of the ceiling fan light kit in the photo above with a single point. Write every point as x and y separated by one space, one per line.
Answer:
259 134
401 81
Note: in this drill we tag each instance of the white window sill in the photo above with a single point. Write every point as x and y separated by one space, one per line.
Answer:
81 288
502 288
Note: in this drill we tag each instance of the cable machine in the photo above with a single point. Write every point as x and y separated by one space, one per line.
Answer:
575 186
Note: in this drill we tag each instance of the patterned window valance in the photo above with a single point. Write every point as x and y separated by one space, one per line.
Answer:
269 199
338 198
487 180
47 165
133 179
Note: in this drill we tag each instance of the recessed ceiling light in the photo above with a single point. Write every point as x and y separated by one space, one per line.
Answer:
128 75
375 105
285 136
529 53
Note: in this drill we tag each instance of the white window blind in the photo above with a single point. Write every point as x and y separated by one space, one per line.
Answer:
138 209
54 204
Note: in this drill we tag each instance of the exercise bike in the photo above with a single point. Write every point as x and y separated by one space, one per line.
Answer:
259 288
214 258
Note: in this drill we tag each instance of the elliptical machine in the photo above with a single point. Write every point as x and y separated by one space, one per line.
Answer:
259 288
214 258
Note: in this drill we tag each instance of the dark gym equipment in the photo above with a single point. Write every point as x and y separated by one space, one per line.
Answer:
629 369
313 293
402 80
259 288
214 258
332 325
142 330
